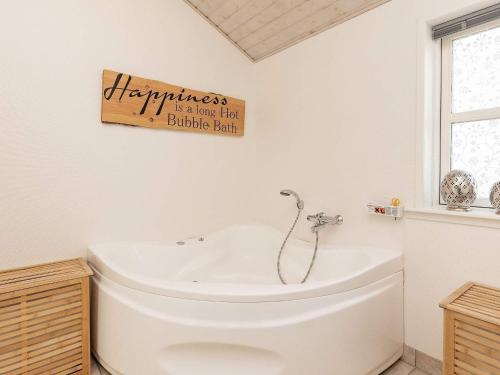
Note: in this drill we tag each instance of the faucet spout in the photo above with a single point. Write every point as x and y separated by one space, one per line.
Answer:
320 220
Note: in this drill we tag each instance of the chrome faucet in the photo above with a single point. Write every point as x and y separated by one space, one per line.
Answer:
320 220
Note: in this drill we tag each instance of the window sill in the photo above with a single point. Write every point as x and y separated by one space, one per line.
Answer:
479 217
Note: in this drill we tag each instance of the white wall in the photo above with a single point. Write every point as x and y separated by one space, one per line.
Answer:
68 180
439 257
337 121
333 115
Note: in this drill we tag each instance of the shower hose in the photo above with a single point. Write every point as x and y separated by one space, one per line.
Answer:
278 263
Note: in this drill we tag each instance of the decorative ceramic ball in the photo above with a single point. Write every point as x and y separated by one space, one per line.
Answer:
495 196
458 190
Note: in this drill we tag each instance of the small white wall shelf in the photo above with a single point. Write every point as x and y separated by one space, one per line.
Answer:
385 210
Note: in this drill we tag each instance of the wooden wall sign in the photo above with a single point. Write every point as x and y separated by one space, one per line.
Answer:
138 101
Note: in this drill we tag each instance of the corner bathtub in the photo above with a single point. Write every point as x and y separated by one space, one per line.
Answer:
216 307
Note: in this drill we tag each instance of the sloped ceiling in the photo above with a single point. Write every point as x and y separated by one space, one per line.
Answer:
260 28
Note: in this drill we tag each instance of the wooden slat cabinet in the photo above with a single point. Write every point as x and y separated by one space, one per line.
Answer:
472 331
44 319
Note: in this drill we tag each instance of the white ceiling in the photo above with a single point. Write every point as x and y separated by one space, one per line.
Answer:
261 28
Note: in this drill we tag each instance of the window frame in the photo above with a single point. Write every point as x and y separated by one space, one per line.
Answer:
447 117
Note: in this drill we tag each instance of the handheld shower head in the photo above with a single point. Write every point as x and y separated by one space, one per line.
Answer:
288 192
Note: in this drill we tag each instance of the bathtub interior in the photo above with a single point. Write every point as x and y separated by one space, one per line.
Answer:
241 254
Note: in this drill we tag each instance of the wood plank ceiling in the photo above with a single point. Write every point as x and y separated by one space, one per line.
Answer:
261 28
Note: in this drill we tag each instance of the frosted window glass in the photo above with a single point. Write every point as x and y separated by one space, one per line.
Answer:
476 149
476 71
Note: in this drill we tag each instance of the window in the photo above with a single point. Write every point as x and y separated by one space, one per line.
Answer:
470 106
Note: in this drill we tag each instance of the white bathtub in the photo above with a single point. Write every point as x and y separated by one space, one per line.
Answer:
217 307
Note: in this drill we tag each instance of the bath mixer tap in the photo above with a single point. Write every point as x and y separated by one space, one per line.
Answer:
320 220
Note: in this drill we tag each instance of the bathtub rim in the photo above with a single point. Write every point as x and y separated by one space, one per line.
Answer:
251 293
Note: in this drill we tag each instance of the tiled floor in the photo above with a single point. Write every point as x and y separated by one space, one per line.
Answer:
403 368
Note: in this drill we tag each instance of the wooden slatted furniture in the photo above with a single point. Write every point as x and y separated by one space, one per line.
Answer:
44 319
472 331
